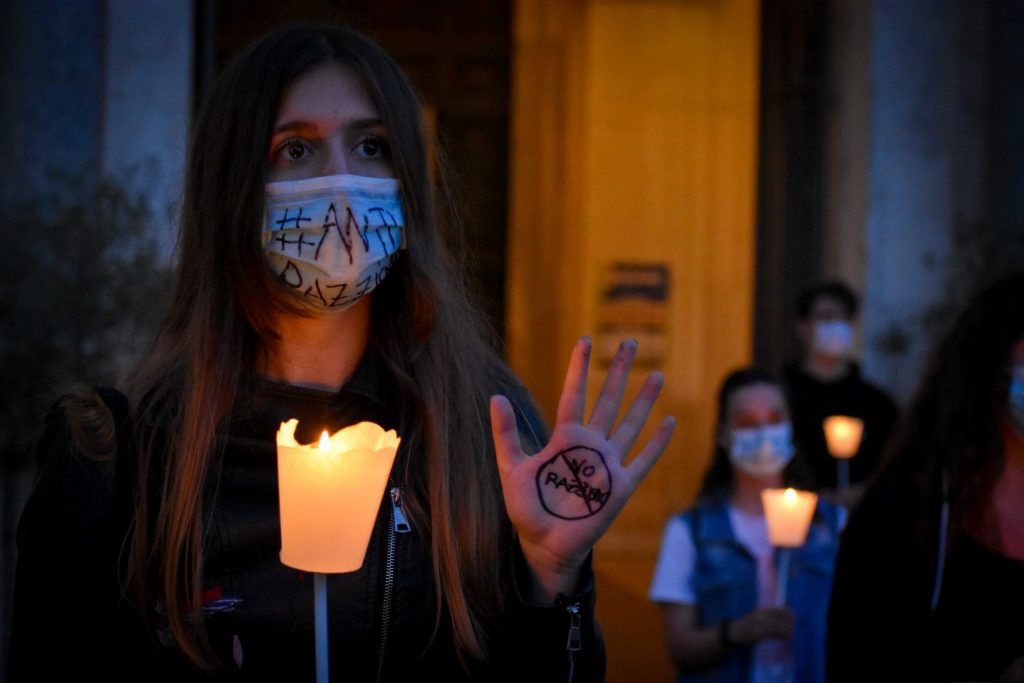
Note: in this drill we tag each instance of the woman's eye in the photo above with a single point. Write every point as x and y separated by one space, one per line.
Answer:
372 148
296 151
293 150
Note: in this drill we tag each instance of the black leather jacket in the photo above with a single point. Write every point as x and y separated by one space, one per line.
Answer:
259 613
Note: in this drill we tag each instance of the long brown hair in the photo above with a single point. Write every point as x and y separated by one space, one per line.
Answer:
432 342
952 426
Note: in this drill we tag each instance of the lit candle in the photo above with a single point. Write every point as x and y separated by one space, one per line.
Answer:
330 494
842 435
788 513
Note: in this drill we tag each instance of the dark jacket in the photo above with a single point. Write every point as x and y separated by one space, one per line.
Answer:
259 613
898 612
812 400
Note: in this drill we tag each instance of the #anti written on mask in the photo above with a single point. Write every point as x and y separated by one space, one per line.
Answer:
332 239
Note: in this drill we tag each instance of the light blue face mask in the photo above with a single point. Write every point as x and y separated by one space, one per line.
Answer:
832 337
332 239
1015 408
762 451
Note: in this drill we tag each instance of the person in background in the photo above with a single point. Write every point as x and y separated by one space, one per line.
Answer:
929 581
827 381
715 578
316 281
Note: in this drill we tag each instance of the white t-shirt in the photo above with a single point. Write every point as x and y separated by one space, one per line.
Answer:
673 575
673 582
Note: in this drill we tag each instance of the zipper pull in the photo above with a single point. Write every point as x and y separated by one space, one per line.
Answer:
401 522
575 643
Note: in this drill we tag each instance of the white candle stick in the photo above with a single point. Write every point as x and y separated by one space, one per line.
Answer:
320 626
842 474
781 578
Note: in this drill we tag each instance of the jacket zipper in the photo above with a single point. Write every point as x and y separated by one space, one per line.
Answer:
574 643
397 523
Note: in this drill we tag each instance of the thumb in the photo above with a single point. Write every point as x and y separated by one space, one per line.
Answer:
506 435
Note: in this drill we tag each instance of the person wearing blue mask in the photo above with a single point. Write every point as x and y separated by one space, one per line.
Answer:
715 577
929 581
316 282
827 381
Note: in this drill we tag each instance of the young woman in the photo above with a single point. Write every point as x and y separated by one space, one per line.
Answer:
715 579
315 283
930 577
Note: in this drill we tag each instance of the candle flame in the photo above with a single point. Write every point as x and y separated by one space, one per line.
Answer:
325 441
789 495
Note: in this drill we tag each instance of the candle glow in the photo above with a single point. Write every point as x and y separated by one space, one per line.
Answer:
330 493
788 513
843 435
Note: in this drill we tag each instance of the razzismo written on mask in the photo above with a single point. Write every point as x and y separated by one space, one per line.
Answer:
332 239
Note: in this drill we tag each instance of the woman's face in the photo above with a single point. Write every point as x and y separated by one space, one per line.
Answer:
328 125
757 434
756 405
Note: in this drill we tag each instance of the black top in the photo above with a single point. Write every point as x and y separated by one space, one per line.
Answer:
881 625
259 613
977 625
812 400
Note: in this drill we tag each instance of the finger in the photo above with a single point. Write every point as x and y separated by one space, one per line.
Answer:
507 445
574 390
625 436
646 458
614 386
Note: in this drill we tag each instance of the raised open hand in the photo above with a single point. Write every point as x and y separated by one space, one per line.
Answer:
562 499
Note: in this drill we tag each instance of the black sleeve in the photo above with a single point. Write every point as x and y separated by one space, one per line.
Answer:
560 642
879 605
65 588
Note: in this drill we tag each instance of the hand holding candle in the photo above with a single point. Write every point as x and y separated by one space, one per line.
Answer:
330 494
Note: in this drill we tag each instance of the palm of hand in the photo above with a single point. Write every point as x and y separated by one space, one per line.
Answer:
562 499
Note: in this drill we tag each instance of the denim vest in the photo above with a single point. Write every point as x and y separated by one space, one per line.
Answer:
725 583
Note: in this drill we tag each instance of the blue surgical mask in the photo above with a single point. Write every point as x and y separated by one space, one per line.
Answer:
332 239
762 451
1015 407
833 337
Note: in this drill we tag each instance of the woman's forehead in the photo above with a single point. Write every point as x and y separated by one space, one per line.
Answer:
327 94
757 397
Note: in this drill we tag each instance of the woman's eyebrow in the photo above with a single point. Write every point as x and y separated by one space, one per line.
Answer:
303 126
296 127
367 122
